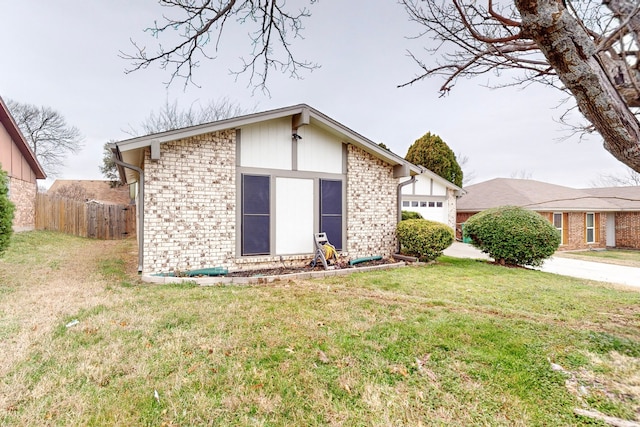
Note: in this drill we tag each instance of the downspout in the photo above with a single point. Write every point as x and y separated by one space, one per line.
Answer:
140 209
399 195
399 198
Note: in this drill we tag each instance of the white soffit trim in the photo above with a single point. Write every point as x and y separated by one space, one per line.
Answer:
236 122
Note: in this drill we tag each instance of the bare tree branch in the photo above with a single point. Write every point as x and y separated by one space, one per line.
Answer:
273 29
50 137
549 43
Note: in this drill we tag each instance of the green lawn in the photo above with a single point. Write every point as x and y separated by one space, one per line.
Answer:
612 256
459 342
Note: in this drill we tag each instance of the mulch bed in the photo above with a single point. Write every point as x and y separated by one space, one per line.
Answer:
291 270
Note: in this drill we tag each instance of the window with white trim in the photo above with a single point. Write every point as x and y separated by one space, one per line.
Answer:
557 223
590 227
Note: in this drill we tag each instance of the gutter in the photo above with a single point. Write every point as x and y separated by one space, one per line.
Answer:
115 154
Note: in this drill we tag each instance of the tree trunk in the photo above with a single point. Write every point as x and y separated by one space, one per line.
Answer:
572 53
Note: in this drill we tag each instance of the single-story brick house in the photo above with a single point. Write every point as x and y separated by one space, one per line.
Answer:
586 218
433 197
250 191
23 169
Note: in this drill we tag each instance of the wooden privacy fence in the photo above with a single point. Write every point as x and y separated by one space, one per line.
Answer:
85 219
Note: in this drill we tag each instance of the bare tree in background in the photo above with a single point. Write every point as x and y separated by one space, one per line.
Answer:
521 174
200 25
73 191
629 178
108 168
170 117
467 176
587 48
48 134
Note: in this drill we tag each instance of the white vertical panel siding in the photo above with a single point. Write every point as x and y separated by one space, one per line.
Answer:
439 189
319 151
423 185
294 216
407 189
267 145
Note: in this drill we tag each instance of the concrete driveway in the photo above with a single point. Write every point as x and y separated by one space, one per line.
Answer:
597 271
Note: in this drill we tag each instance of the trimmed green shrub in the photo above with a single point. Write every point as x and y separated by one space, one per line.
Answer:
513 235
410 215
6 213
423 239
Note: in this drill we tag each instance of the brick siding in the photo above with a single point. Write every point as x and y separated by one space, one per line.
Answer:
190 207
628 230
23 196
190 204
577 238
371 205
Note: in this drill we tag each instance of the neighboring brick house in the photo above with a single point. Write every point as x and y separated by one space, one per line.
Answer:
586 218
250 192
99 191
23 169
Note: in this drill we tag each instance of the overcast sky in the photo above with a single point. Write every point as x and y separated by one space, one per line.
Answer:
64 54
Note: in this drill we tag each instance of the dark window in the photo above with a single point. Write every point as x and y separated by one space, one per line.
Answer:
414 204
439 204
432 204
331 211
405 204
255 215
423 204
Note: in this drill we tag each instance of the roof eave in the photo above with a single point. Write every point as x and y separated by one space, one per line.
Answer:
16 135
139 143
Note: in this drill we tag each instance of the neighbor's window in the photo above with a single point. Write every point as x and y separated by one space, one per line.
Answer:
331 211
590 228
256 209
557 223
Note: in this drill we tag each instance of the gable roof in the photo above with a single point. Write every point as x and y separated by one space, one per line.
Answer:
542 196
132 150
16 135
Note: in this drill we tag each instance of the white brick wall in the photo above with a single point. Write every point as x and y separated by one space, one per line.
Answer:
451 208
372 205
190 207
190 204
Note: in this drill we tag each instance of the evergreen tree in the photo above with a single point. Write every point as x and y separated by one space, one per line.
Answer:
6 213
433 153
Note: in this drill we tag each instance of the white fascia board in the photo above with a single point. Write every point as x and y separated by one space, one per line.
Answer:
233 123
362 142
442 181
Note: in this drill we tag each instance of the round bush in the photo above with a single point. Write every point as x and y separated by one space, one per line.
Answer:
410 215
423 239
513 235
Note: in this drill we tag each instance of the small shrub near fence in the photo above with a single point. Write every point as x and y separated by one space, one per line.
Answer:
94 220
